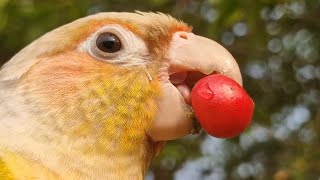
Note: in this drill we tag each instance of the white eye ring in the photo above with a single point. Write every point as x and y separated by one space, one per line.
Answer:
133 51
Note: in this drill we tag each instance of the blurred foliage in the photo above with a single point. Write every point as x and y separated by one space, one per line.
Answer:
277 45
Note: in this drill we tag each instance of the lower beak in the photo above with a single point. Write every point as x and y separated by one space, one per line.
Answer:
188 53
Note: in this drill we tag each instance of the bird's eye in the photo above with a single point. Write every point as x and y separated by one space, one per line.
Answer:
115 45
108 42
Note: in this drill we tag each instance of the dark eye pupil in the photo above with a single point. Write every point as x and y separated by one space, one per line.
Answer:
108 42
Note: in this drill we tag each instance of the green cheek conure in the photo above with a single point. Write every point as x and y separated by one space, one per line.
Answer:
98 97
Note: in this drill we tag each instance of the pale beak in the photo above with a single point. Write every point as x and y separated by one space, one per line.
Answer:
188 53
196 53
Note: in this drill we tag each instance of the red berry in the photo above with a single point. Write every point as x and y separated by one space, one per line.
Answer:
222 106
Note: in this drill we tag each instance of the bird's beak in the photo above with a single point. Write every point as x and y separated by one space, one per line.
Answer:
196 53
188 54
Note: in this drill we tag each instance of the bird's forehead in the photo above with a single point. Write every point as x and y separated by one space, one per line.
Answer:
155 29
140 22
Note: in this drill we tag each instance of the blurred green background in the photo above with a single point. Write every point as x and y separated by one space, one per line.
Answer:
277 45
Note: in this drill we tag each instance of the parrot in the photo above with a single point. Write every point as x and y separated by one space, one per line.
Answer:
98 98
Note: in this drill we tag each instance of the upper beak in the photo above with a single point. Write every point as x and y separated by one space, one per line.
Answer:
188 52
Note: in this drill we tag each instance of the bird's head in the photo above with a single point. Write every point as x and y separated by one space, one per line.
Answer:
116 82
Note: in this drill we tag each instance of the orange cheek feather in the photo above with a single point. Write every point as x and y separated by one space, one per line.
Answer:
59 77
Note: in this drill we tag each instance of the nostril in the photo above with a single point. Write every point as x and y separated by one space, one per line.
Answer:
183 36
